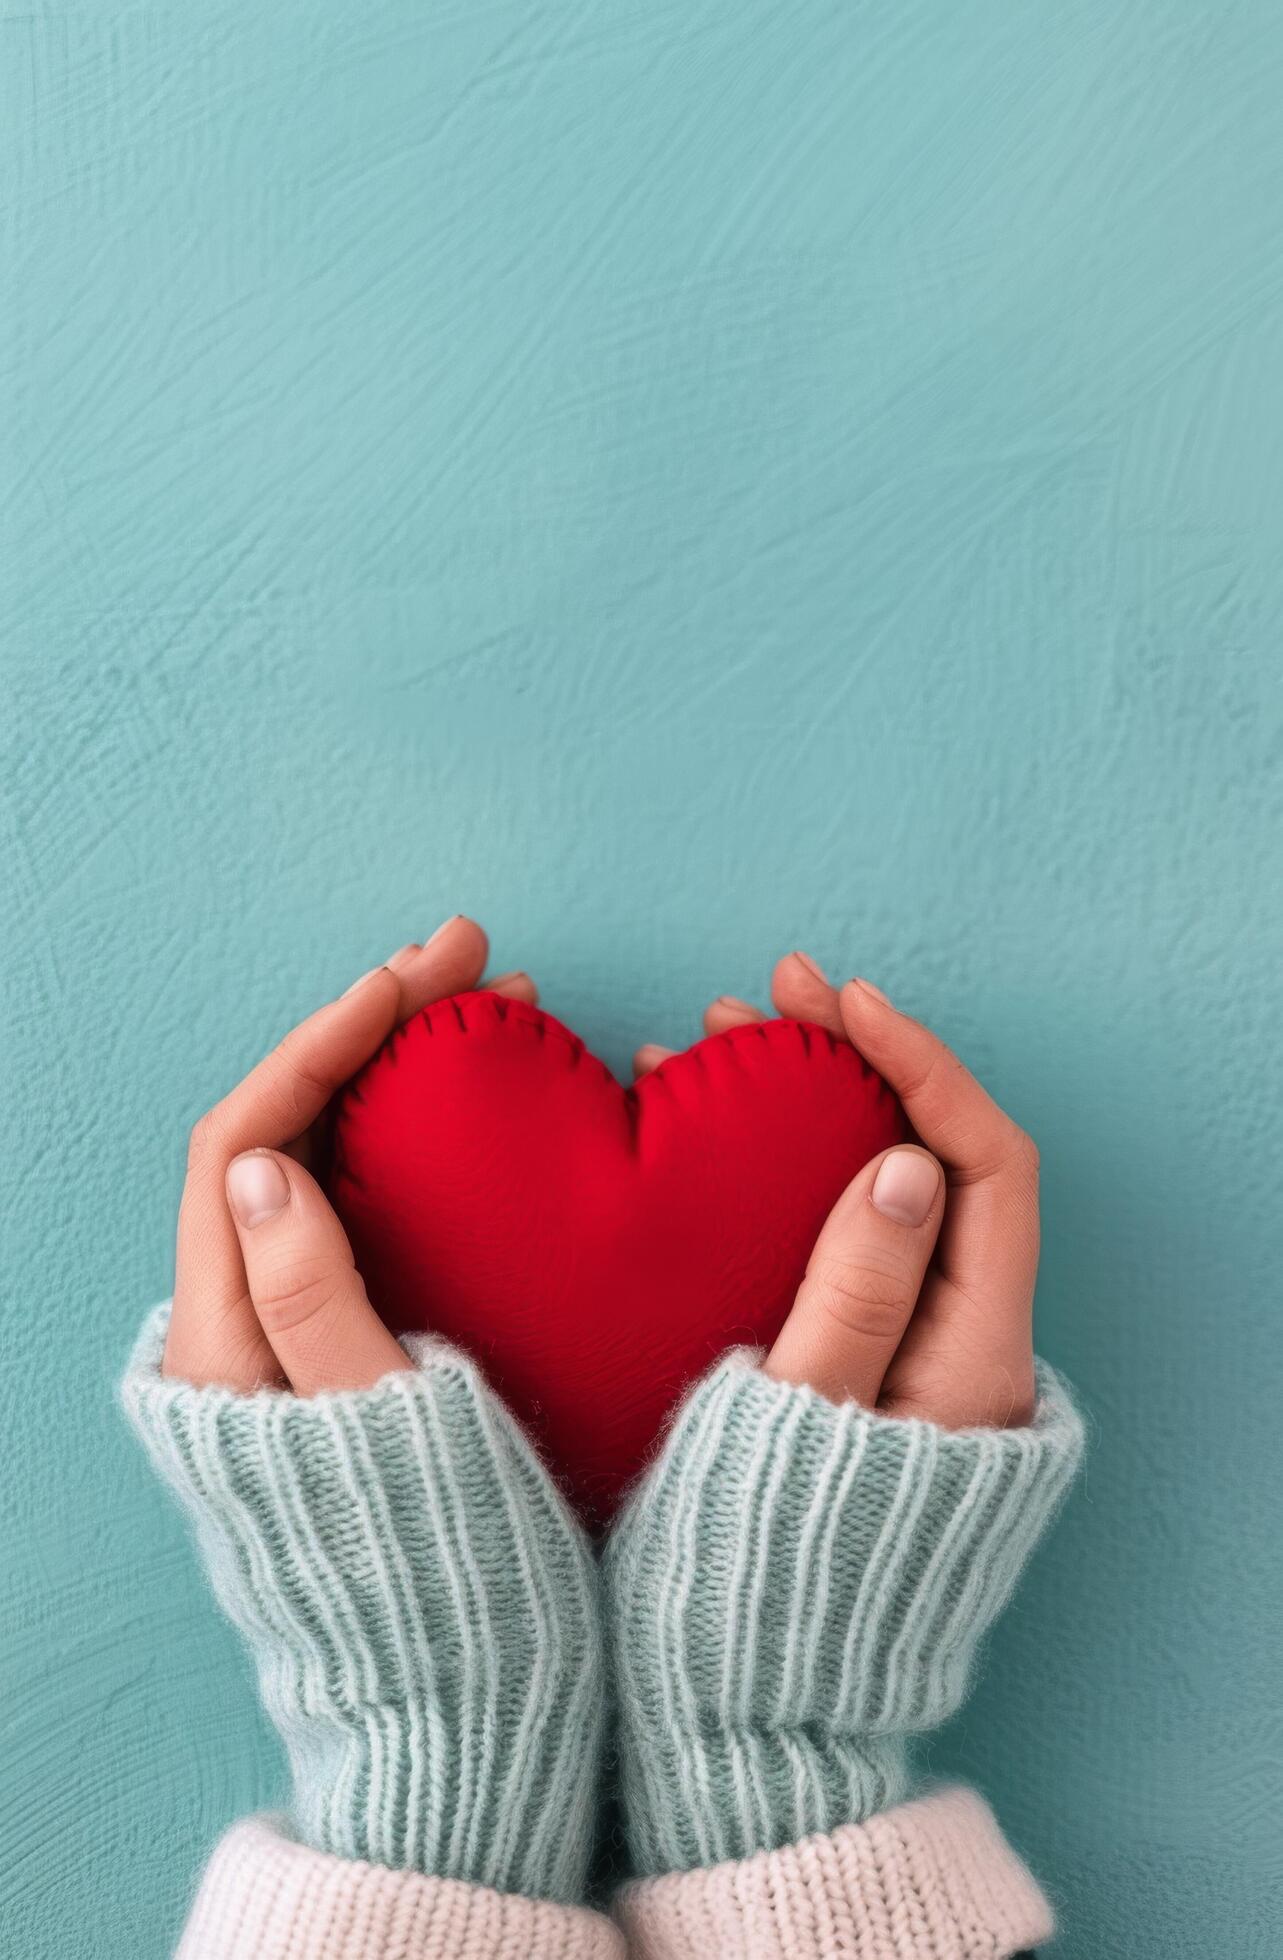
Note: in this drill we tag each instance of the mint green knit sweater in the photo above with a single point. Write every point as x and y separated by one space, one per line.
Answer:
793 1590
421 1606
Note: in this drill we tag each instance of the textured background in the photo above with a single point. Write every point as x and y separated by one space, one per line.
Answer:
678 481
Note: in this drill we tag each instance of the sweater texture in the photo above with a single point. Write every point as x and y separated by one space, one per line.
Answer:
794 1589
421 1606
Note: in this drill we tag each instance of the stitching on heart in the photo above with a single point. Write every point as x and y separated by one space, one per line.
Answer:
468 1011
511 1013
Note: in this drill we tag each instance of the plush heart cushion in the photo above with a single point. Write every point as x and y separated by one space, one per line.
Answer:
595 1247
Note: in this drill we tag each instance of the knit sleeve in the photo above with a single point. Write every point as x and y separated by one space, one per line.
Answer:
795 1588
420 1605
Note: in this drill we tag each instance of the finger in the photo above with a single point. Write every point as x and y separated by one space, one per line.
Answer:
947 1107
450 962
649 1056
289 1089
727 1012
514 986
800 992
422 977
402 959
968 1356
405 960
863 1279
309 1299
213 1336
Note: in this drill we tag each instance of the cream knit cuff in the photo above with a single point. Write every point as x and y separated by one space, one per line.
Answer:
930 1880
265 1897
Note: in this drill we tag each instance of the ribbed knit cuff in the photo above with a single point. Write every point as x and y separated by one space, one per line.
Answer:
265 1897
797 1586
420 1605
929 1880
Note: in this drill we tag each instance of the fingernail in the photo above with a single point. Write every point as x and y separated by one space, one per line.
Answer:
811 966
444 926
505 979
257 1187
877 992
733 1000
361 982
905 1186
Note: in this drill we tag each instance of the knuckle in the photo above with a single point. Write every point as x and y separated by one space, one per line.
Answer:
1023 1157
872 1295
205 1142
293 1290
280 1102
299 1067
925 1079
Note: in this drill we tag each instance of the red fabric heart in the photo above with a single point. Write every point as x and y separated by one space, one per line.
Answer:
595 1247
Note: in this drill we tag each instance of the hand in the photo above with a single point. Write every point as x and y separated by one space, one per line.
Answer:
265 1291
918 1297
769 1678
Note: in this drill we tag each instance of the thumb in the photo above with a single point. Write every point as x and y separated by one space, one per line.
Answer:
306 1291
863 1279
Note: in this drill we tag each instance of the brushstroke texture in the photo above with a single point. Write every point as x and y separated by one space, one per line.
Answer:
679 481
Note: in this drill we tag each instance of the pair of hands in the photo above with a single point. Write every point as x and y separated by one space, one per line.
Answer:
917 1299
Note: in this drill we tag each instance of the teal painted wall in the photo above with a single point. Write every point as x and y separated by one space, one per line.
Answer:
678 481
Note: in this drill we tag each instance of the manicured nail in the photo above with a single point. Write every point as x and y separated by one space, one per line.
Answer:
905 1186
257 1187
817 971
877 992
444 926
361 982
